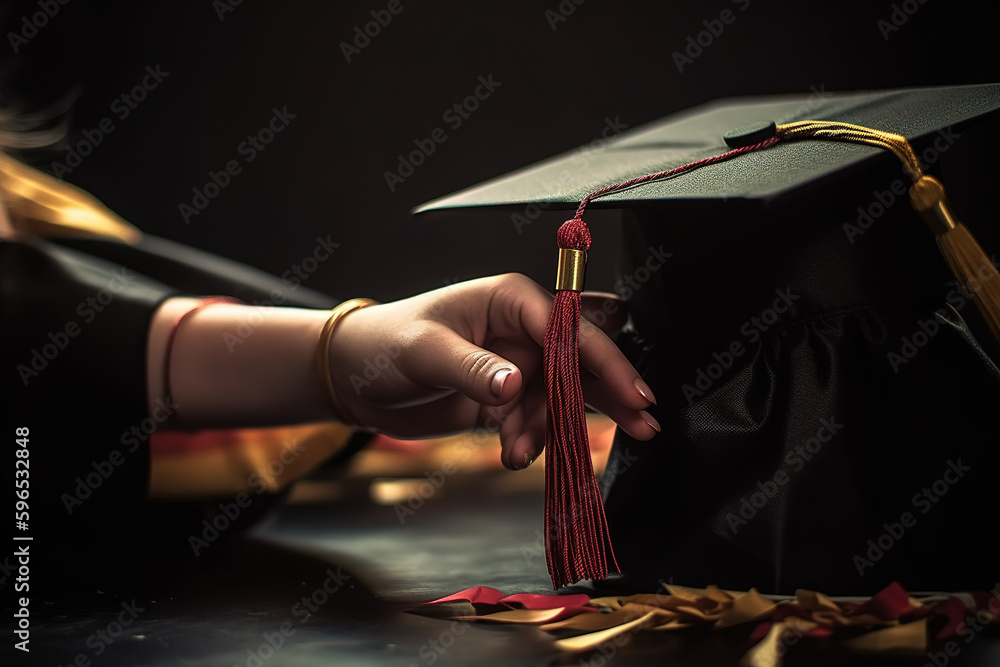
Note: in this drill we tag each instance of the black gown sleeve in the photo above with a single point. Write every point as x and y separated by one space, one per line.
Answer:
74 345
76 316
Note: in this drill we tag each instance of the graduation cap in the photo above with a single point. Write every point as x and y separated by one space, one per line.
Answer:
800 199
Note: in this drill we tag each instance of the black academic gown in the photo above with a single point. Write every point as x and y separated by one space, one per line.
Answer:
76 315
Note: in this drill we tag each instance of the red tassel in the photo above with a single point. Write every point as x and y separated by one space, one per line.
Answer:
577 540
576 532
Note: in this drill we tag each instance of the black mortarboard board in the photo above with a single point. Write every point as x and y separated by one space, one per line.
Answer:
805 340
763 179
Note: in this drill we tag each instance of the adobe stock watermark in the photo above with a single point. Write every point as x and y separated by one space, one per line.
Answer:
121 108
969 629
425 491
32 23
795 460
924 501
293 277
582 156
374 367
273 641
248 149
771 653
630 283
454 116
696 44
817 98
752 330
885 199
898 17
99 641
602 655
131 439
618 463
926 330
627 285
432 650
436 479
562 12
57 341
362 35
224 7
263 479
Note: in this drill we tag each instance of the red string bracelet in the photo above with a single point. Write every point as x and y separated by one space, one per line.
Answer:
168 356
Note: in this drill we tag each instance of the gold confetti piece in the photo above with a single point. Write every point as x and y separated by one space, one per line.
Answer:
750 606
521 616
868 619
675 624
830 618
698 613
593 622
909 636
715 593
608 602
593 640
685 593
769 650
815 601
619 601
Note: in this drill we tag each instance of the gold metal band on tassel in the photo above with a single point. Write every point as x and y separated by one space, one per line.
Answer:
572 270
928 199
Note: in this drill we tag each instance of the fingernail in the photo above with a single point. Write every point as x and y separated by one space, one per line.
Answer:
644 391
648 418
528 460
498 380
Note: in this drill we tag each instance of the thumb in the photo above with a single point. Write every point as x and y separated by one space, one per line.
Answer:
445 359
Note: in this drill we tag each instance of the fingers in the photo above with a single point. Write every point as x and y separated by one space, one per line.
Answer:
614 386
522 302
522 434
444 347
600 356
440 357
639 424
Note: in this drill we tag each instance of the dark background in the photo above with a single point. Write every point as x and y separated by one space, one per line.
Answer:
324 174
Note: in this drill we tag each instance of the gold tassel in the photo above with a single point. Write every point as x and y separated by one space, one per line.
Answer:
967 260
40 205
972 268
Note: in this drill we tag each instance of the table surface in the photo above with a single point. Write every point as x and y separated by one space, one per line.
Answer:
246 607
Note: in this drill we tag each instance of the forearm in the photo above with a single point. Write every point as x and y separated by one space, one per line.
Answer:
236 365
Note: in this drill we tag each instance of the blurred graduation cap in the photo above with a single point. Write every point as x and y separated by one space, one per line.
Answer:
784 296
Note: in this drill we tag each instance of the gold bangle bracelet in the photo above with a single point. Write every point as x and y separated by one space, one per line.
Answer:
323 353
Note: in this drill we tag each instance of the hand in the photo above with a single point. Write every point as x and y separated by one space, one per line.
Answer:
469 355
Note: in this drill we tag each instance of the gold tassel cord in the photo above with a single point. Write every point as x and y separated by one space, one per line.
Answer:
856 134
968 262
966 258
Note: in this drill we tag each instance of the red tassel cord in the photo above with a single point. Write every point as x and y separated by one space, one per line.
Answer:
576 533
577 540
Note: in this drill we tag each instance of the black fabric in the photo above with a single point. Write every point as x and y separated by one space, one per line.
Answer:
79 395
817 397
194 271
80 310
